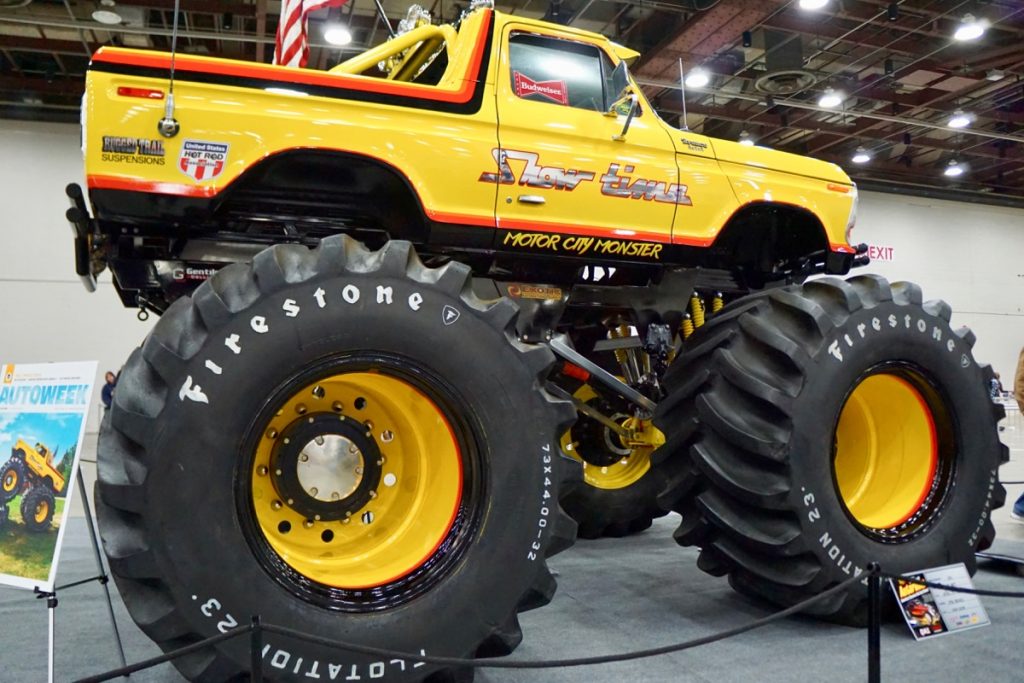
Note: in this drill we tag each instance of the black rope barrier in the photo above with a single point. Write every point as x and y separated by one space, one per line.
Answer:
256 629
166 657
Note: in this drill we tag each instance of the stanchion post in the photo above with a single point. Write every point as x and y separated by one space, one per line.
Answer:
51 607
874 623
256 651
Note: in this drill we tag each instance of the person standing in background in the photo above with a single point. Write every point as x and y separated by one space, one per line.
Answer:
1018 393
108 390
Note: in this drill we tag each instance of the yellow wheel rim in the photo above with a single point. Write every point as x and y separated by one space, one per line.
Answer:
629 468
410 505
42 510
886 452
10 482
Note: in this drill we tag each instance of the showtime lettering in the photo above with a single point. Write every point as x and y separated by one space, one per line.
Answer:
615 185
534 175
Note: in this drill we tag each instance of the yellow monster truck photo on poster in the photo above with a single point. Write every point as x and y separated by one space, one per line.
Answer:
42 418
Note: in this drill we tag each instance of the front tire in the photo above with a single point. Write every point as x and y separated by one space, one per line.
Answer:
814 429
298 440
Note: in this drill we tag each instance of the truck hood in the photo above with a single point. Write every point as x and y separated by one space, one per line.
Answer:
762 157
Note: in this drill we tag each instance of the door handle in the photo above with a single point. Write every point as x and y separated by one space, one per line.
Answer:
531 199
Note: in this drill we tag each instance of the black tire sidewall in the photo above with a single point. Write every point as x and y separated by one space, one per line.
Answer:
865 340
194 460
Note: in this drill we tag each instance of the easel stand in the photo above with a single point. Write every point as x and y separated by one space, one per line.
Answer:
51 596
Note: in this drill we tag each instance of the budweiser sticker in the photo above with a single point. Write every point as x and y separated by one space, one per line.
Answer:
552 90
202 160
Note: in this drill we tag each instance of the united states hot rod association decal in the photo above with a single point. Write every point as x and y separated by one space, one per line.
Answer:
202 160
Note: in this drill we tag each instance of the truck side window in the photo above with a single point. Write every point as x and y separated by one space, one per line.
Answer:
558 71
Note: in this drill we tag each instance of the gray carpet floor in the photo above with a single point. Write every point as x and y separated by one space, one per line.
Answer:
614 595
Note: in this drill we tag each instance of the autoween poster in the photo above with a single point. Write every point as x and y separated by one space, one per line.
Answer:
42 422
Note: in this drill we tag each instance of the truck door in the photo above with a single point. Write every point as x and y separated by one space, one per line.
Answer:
565 184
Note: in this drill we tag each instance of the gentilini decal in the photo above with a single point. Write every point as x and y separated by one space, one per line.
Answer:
202 160
556 91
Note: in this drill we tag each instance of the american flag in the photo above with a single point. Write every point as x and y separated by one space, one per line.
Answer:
291 48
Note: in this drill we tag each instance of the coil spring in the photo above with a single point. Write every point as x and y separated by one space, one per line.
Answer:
698 313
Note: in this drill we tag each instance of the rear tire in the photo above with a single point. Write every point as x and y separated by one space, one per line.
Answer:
769 452
288 416
619 492
37 507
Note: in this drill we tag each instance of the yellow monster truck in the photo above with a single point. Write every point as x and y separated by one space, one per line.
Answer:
30 472
387 290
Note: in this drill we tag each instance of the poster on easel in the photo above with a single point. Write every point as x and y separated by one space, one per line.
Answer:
43 410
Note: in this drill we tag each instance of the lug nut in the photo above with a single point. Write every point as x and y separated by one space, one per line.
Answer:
287 440
336 406
291 501
262 470
369 425
300 409
277 472
373 494
308 524
276 505
367 517
271 433
387 436
318 391
352 449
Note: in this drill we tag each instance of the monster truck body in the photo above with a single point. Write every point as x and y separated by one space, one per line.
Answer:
500 153
364 277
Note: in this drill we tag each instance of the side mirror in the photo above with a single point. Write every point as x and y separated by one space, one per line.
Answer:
626 101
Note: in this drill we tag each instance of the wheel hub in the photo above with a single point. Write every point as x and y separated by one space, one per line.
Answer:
326 466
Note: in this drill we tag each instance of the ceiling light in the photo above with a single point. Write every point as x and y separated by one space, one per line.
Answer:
697 78
812 4
830 99
338 34
995 75
953 169
861 156
970 28
105 16
959 119
746 140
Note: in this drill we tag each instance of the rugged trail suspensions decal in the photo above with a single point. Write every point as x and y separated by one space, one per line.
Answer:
613 184
120 149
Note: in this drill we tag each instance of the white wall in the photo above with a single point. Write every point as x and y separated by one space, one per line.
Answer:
970 255
47 314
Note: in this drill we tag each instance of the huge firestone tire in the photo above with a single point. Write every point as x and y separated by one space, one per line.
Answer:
814 429
343 442
12 479
619 492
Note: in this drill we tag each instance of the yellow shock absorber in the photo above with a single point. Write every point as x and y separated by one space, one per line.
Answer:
697 310
717 303
687 326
